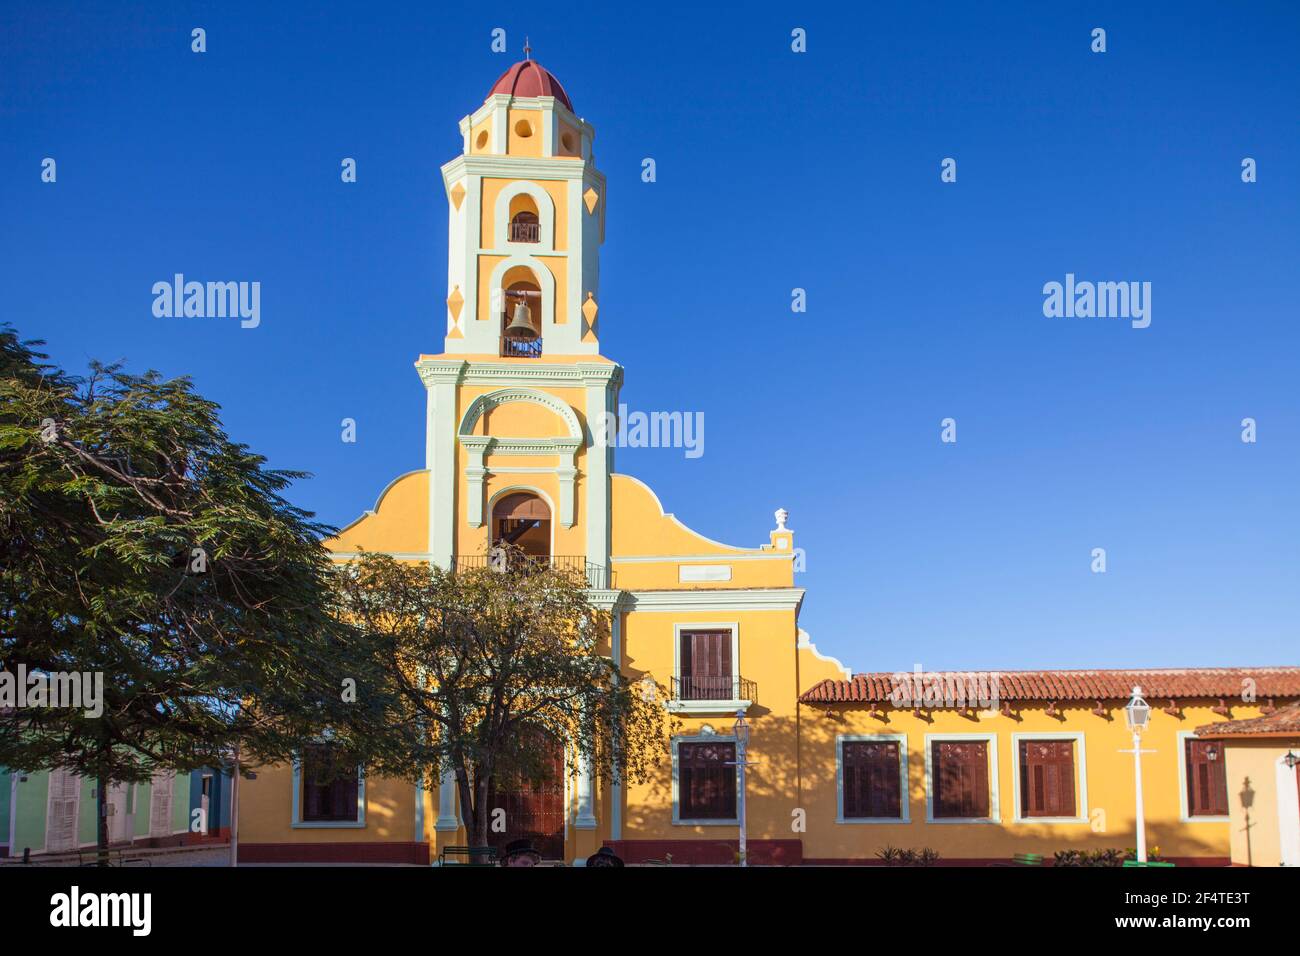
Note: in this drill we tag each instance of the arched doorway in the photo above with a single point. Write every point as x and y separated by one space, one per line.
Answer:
533 801
524 521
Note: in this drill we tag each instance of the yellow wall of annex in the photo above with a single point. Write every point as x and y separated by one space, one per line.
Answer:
1108 815
1253 798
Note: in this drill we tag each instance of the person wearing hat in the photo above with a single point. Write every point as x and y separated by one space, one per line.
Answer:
521 853
605 856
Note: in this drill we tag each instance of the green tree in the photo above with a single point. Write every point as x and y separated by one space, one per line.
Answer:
479 658
139 542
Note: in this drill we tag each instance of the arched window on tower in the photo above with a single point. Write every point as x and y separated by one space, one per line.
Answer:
525 225
521 320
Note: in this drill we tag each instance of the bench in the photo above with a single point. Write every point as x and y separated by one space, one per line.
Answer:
467 856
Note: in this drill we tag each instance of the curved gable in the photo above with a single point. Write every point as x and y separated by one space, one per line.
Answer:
398 523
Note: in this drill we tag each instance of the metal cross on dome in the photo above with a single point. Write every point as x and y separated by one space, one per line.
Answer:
528 50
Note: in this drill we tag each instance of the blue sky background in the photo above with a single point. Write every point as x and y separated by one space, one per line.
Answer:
775 170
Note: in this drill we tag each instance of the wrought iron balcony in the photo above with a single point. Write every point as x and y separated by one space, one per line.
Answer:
524 231
598 576
696 689
519 348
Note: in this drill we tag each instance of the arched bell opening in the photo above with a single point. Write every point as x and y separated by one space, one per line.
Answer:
521 322
523 521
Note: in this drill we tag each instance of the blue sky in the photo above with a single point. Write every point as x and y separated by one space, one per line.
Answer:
775 170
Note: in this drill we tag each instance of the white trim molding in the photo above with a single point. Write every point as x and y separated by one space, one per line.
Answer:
1183 815
299 824
904 791
701 739
717 599
995 807
1080 775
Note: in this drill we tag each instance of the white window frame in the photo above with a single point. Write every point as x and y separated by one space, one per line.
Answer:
1080 775
904 793
677 806
1184 814
995 805
300 824
728 706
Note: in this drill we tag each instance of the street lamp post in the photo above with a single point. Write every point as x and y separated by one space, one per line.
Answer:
1138 715
741 732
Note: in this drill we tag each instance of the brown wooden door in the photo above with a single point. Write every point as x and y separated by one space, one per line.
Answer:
534 805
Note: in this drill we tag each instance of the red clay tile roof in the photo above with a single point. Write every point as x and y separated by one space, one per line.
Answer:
1078 685
1283 721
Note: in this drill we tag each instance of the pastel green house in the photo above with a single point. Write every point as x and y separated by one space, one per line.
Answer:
54 812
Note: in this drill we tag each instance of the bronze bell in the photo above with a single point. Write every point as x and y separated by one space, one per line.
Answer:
521 324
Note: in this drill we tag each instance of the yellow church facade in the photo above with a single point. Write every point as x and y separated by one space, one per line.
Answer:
520 404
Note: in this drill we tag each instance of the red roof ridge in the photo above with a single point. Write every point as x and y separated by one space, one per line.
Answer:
1080 684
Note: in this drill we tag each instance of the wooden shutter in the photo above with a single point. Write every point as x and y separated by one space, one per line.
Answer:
705 663
61 816
1047 778
706 781
1207 779
960 778
160 805
871 780
329 793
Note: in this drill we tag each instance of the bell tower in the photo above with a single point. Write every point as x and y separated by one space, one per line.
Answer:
526 217
518 399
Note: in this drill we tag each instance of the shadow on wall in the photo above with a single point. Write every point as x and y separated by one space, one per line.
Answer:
792 794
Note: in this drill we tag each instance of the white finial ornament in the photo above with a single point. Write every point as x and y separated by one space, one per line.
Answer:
781 517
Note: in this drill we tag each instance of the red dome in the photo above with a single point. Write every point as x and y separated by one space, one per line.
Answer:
530 78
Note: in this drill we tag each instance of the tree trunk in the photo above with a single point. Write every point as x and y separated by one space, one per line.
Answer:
482 812
101 811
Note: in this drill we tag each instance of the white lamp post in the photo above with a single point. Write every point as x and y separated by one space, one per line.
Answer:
1138 715
741 732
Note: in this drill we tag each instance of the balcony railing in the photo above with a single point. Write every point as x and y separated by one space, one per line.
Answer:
713 688
598 576
525 231
518 348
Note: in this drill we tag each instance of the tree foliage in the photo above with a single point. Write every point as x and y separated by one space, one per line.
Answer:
481 658
137 540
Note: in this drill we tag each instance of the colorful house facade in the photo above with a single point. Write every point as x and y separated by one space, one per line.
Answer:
518 408
54 812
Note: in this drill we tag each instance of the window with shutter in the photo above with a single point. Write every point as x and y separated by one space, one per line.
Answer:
62 811
1047 778
960 778
706 781
705 665
871 780
160 804
329 792
1207 778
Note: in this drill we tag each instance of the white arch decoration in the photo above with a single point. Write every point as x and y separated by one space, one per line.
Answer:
564 448
545 217
496 302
